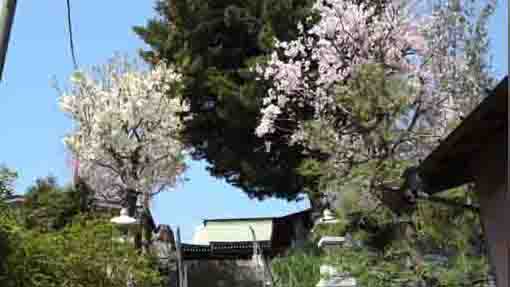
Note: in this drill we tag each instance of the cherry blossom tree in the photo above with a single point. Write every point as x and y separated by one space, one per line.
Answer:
375 87
126 128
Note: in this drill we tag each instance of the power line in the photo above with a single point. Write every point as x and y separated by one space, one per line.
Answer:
76 162
71 42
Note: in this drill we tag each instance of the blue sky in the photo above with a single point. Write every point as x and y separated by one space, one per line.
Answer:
32 126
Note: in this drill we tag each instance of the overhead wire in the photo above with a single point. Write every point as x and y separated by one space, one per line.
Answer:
75 162
71 40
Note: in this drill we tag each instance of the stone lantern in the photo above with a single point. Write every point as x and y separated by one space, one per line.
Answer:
330 276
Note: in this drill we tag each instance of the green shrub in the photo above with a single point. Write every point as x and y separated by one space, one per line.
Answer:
299 269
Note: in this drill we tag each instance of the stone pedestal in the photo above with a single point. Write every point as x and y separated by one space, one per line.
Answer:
330 277
331 241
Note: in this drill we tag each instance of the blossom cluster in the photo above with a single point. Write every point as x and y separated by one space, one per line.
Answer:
126 127
347 36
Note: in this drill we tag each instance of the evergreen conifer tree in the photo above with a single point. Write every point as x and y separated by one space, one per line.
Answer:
215 43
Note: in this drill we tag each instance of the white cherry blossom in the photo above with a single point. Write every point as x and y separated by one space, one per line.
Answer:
127 123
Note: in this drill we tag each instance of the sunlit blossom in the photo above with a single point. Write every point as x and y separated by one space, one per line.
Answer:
126 127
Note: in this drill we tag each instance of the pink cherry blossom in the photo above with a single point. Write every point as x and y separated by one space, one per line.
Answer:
310 70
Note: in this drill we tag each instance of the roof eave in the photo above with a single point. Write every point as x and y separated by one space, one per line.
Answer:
446 166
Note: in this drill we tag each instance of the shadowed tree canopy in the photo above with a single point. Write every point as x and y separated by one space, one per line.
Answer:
215 43
49 206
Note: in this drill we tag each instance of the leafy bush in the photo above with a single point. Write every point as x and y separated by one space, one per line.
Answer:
84 253
299 269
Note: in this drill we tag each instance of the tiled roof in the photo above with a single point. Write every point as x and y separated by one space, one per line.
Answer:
223 250
225 246
196 248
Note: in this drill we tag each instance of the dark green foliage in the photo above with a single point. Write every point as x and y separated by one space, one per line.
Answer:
84 253
436 245
7 178
50 241
214 43
50 207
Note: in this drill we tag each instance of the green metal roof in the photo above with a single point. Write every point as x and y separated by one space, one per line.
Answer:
233 230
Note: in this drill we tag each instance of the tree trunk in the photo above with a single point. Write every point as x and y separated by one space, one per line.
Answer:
131 198
316 203
146 231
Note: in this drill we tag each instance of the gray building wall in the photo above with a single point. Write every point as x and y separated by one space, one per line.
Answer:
223 273
490 167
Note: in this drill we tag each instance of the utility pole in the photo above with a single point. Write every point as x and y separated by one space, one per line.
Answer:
6 19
